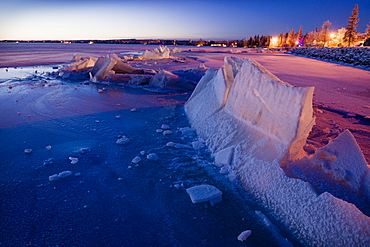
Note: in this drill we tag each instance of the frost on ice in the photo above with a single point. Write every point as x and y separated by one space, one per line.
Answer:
205 193
255 124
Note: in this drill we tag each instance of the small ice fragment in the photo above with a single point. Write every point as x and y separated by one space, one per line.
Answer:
170 144
244 235
77 174
28 150
118 116
48 147
197 145
54 177
73 160
64 174
165 127
167 132
176 186
179 145
142 152
122 140
120 179
136 160
159 130
49 162
133 109
152 156
187 131
224 170
97 121
129 167
100 91
204 193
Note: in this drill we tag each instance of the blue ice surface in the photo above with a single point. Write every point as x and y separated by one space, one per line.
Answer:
112 202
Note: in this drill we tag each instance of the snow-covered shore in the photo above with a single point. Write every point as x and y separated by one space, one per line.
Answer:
357 56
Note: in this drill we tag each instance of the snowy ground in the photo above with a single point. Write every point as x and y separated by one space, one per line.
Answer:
111 201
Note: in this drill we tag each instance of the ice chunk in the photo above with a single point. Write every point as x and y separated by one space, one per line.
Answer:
158 53
80 63
187 131
244 235
136 160
73 160
64 174
341 160
152 156
123 140
181 146
28 150
167 132
223 157
165 127
170 144
133 110
197 145
167 79
224 170
53 178
48 147
204 193
49 162
103 66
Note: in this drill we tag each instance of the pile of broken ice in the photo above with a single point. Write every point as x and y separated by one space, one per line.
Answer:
115 69
255 124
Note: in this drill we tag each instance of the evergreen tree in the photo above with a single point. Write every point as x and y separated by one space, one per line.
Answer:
300 37
351 33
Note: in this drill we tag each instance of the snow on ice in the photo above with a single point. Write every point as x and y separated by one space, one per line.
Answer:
254 123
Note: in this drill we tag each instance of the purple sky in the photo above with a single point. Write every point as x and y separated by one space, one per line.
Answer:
176 19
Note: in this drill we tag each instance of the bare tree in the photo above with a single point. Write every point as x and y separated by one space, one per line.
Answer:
351 33
291 38
367 32
324 32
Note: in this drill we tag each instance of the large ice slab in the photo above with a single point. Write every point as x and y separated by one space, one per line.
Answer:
340 161
254 123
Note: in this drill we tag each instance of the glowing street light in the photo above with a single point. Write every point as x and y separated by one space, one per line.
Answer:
274 42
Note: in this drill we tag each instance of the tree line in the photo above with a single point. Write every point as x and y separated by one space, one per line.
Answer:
319 37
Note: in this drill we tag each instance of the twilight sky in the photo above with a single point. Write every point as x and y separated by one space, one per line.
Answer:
176 19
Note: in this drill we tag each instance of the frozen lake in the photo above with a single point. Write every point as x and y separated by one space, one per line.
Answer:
108 200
